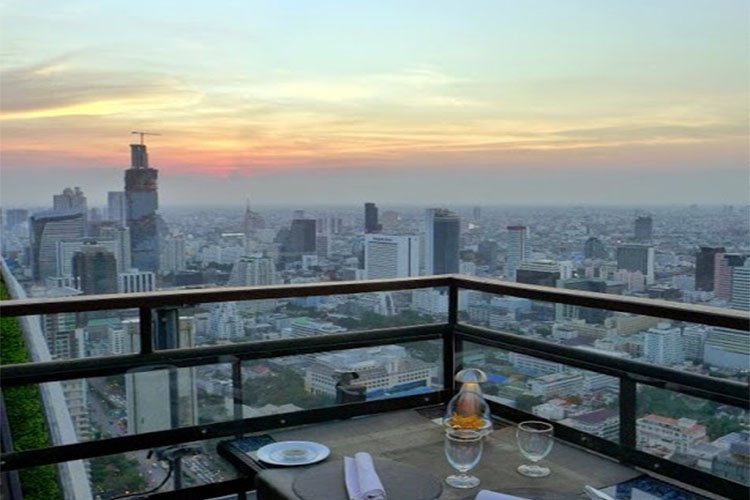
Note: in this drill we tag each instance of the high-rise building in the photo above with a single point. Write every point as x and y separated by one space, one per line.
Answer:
644 228
442 241
705 265
391 256
252 222
371 218
594 249
589 314
70 199
173 254
117 207
300 240
253 270
142 202
540 272
518 249
135 281
15 216
724 264
487 253
96 269
727 348
740 291
637 257
47 229
662 345
121 237
67 249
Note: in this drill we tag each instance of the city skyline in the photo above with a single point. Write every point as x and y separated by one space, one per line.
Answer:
494 103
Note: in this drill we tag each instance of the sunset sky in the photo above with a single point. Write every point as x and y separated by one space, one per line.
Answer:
306 101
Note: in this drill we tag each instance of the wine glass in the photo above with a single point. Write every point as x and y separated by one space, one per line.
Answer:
463 449
535 442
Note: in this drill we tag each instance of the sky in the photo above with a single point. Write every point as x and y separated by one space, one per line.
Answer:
393 101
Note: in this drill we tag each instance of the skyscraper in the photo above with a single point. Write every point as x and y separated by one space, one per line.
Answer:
541 272
705 265
391 256
442 241
637 257
70 199
724 265
371 218
253 270
117 207
594 249
96 269
173 254
142 201
740 292
644 228
47 229
518 249
300 240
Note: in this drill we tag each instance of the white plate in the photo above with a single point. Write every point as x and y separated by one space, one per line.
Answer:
292 453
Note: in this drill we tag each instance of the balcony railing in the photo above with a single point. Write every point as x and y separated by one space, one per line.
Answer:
453 333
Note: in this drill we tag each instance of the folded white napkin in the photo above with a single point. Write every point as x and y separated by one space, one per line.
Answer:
493 495
362 482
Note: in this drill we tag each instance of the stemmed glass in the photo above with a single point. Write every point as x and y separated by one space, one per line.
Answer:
535 442
463 449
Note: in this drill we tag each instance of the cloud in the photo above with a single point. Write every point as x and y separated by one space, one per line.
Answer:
59 87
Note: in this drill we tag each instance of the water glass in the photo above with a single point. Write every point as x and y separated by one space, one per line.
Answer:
535 442
463 449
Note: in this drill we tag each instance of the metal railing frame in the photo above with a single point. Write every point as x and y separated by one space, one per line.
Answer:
453 334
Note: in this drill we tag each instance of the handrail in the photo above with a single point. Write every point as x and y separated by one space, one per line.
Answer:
713 316
190 297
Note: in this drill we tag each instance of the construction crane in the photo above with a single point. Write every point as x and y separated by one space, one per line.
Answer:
142 134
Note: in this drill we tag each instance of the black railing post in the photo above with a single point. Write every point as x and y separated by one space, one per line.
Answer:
146 329
627 412
237 390
450 344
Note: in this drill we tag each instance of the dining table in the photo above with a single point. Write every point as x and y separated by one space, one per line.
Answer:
407 447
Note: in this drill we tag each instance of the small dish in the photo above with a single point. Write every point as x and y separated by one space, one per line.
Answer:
292 453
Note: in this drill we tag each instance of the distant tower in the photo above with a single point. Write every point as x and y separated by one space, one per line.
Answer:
47 229
705 265
70 199
300 240
518 249
142 201
117 207
740 293
391 256
477 213
594 249
95 267
371 218
637 257
442 241
644 229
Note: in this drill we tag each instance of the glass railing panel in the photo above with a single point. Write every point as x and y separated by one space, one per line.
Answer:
273 319
294 383
581 399
689 347
702 434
